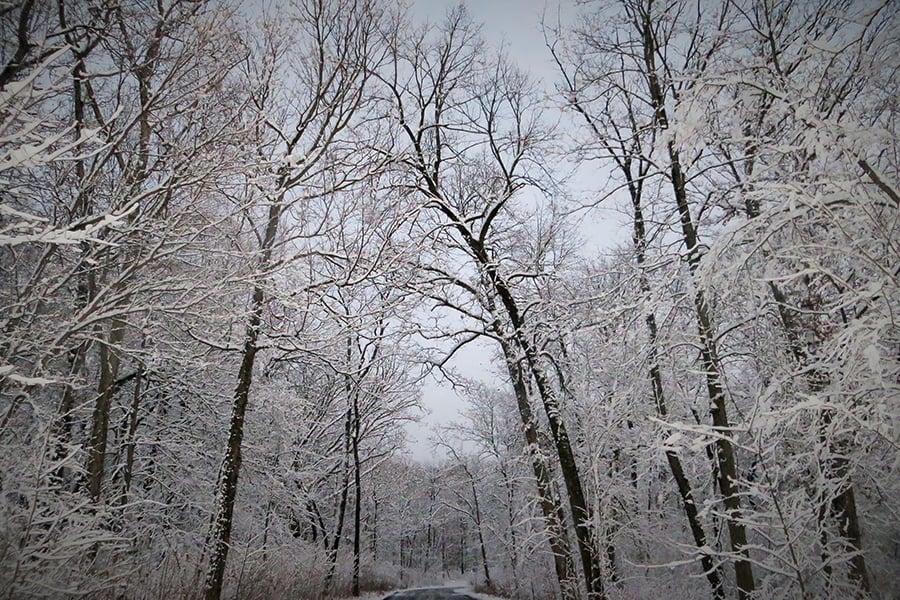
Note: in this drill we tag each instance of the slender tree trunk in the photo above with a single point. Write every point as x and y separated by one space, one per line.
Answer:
725 457
581 515
220 531
86 284
550 506
401 556
577 501
514 542
130 439
64 421
357 487
428 542
842 507
373 547
462 548
109 371
342 504
712 571
484 560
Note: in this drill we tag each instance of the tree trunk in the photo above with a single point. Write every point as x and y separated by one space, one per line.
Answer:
836 469
577 502
85 288
712 571
581 515
484 560
373 547
357 487
510 514
109 371
342 504
725 457
462 548
220 531
550 506
130 440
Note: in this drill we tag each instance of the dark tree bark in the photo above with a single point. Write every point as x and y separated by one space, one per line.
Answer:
627 155
130 436
484 560
712 571
342 503
581 514
220 532
550 506
357 489
727 464
109 372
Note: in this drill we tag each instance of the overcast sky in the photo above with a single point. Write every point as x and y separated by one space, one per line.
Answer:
515 22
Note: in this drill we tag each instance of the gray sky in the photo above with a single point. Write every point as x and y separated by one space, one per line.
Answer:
515 22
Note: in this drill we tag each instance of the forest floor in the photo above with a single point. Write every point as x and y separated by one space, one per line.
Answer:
460 587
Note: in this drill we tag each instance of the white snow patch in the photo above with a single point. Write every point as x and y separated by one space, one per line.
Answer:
8 371
459 586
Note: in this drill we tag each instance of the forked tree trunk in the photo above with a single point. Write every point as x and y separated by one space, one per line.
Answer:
519 342
550 506
134 176
581 514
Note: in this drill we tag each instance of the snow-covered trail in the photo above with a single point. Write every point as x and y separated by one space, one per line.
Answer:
441 593
451 590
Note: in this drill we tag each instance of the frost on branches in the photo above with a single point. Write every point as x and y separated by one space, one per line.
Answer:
241 247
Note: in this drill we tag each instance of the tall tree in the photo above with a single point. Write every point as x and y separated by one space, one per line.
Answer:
619 137
303 148
473 134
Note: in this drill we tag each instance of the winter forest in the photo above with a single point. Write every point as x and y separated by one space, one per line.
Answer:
238 238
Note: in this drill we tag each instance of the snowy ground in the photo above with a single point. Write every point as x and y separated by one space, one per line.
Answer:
460 587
